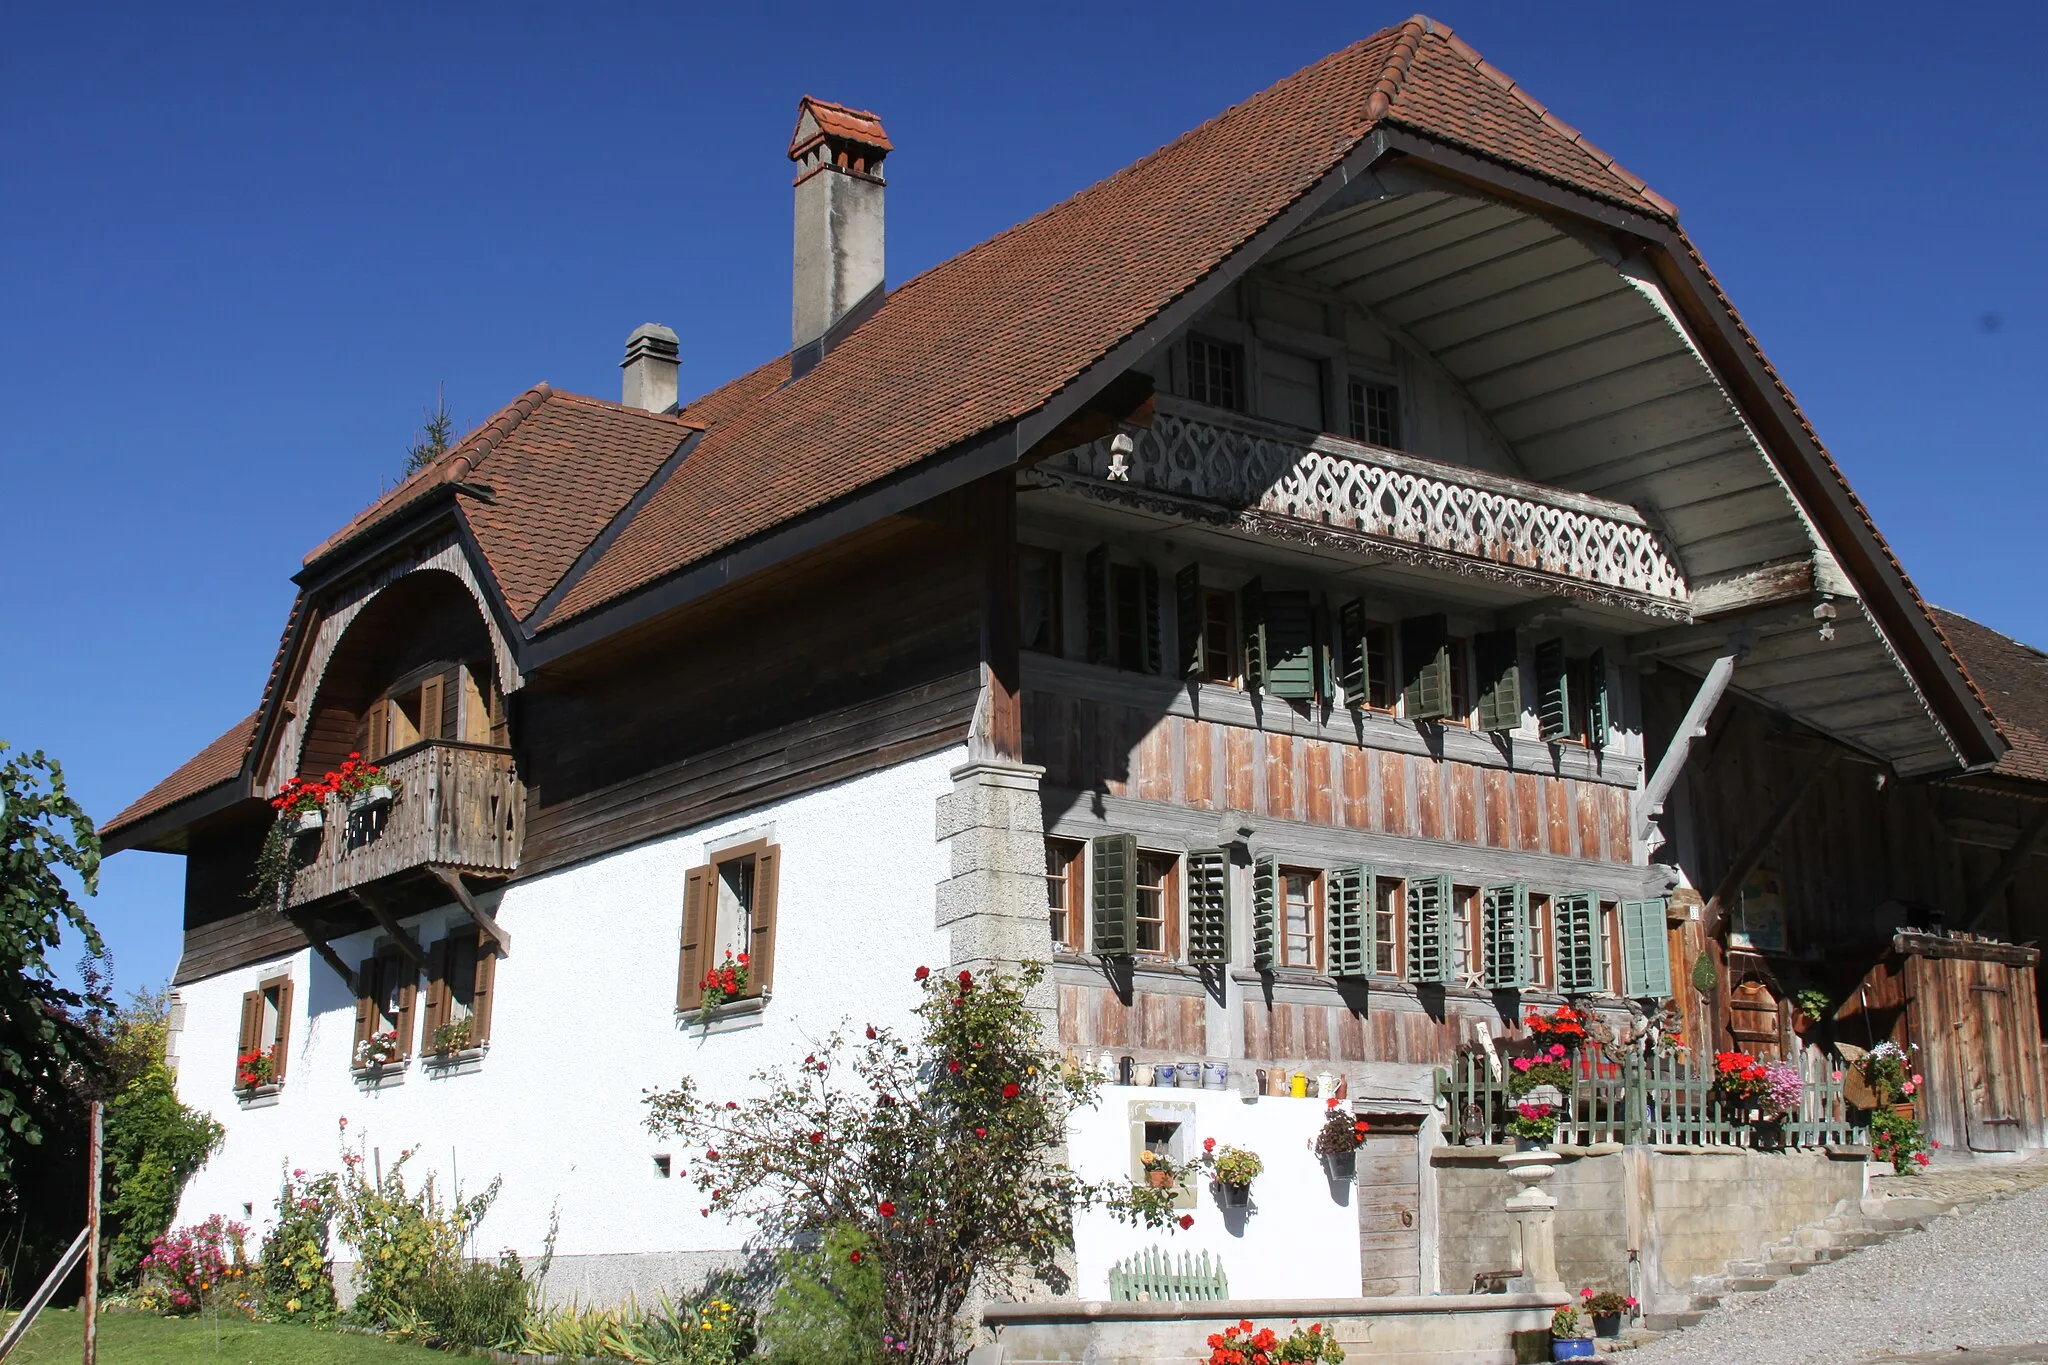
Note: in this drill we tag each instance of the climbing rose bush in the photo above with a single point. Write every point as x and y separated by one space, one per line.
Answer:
939 1149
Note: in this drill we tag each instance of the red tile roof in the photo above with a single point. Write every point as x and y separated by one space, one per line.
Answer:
2013 680
220 761
836 120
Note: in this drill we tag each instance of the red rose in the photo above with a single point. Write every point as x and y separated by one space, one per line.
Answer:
854 1257
886 1209
966 978
744 960
1010 1091
817 1138
923 972
1208 1144
981 1132
1187 1220
953 1067
871 1032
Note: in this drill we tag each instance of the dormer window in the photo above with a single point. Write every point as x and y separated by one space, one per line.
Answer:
1375 410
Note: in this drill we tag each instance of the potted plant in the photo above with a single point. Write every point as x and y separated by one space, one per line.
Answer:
302 804
1338 1140
1161 1173
364 784
1740 1083
1310 1345
255 1069
1606 1308
1565 1341
721 984
452 1038
1533 1125
1549 1066
1233 1169
1810 1007
377 1051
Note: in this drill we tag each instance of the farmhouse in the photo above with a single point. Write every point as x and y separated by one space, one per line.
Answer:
1344 581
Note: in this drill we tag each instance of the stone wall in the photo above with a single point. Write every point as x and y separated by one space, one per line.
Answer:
1643 1220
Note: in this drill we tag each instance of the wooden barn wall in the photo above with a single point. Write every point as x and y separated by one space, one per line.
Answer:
859 656
1979 1042
1127 750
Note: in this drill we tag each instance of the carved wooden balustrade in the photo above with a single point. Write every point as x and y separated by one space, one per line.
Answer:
1210 465
458 806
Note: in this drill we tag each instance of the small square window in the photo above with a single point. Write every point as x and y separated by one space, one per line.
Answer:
1374 413
1215 373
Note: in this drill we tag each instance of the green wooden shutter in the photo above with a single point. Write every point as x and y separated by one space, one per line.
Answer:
1426 658
1504 936
1429 933
1325 653
1575 932
1265 912
1645 951
1188 613
1095 572
1148 577
1497 657
1208 906
1113 899
1553 691
1354 661
1346 919
1290 642
1599 714
1252 603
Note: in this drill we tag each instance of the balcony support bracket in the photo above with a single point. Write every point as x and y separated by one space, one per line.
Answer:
1650 803
485 921
325 949
400 935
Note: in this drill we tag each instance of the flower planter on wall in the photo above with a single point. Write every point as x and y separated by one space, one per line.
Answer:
1235 1196
310 822
1573 1348
370 798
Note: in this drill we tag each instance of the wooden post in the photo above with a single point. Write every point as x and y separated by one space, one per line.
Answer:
92 1237
1650 803
995 523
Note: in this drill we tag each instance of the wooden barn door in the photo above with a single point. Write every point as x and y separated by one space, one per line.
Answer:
1754 1019
1986 1039
1389 1197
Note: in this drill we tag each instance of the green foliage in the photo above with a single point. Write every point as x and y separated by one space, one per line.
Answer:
277 865
297 1266
712 1331
1704 977
1524 1079
828 1310
141 1339
478 1304
435 437
1814 1004
153 1143
47 1046
402 1238
1899 1140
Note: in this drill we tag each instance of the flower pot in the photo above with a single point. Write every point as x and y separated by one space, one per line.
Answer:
1904 1110
1164 1073
1341 1165
1607 1324
1215 1075
1572 1348
1188 1075
1235 1196
1523 1144
309 821
379 795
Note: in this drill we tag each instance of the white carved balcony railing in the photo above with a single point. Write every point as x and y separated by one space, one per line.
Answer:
457 806
1259 471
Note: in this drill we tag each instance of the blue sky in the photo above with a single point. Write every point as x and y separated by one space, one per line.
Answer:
240 249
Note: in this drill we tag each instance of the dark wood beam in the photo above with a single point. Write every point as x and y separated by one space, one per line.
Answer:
485 921
400 935
325 949
1000 727
1715 918
2008 867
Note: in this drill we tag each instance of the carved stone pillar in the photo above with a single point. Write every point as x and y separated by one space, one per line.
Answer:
994 902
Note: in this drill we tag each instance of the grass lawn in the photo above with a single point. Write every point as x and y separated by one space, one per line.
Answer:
143 1339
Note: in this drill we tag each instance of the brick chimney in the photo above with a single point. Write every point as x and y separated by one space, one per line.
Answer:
838 154
650 365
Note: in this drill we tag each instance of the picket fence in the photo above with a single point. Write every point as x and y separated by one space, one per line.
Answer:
1153 1276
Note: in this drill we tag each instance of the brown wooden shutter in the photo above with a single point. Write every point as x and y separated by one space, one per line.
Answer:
366 1001
480 993
761 974
284 1029
431 695
377 726
407 997
252 1023
501 729
439 996
476 714
698 926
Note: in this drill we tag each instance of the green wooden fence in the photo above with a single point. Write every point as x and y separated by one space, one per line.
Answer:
1660 1100
1153 1276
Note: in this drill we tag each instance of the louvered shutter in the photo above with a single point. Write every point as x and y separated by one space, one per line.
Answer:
1113 894
1148 578
1265 913
377 731
252 1024
1429 938
1575 931
698 926
1599 711
440 986
1354 660
1252 605
1426 657
431 699
482 992
408 996
1645 951
1496 656
1325 652
1553 691
1189 617
366 1000
1347 920
1095 601
1504 911
1290 641
1208 906
283 1038
767 873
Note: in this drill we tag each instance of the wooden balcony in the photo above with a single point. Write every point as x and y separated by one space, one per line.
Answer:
1262 479
458 806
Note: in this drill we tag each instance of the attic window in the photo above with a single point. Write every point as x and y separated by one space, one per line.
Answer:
1374 409
1215 373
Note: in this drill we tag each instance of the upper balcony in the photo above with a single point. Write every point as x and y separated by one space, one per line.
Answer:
1262 478
456 806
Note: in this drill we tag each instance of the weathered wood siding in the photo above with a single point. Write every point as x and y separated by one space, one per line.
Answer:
221 931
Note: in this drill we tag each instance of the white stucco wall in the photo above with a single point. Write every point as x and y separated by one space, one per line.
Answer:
584 1022
1295 1240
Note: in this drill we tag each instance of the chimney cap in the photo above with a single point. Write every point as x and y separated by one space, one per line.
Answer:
651 339
823 121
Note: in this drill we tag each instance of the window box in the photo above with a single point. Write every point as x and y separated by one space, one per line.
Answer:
310 822
734 1015
460 1062
370 798
259 1096
379 1075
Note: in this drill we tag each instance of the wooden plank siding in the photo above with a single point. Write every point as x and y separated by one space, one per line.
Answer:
1215 765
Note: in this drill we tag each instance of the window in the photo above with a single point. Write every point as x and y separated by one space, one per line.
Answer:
1386 926
1157 909
459 993
1279 642
1374 413
260 1051
1460 702
1122 612
1539 959
1219 636
729 908
1610 948
1426 653
1301 917
1063 886
1215 372
1464 924
1038 599
1572 703
386 986
1127 595
1365 658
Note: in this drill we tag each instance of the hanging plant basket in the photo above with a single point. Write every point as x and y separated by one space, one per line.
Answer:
1341 1165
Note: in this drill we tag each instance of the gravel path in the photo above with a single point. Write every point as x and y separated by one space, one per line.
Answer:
1968 1280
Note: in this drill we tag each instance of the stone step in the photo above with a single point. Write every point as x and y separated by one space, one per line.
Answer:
1659 1323
1750 1284
1745 1270
1792 1255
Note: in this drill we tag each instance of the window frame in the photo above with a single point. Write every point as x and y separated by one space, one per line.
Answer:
1202 375
1389 911
1317 882
1358 411
1538 937
1051 624
1073 878
1465 922
441 982
1222 662
387 960
1167 889
700 949
272 1000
